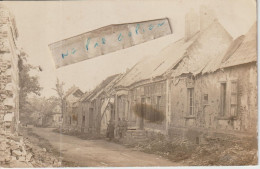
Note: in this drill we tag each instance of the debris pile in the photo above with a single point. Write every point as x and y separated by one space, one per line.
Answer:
226 151
215 151
17 152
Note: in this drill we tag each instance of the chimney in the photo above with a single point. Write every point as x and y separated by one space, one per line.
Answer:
191 24
195 23
207 17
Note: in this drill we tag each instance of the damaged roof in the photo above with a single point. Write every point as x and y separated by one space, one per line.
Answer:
75 91
204 46
246 52
106 84
206 53
158 65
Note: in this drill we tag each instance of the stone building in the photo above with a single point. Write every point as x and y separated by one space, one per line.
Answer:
9 77
143 94
96 108
195 85
218 95
69 114
202 84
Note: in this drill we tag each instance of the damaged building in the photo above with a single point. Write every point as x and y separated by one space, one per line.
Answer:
69 115
205 82
9 73
216 94
202 84
96 108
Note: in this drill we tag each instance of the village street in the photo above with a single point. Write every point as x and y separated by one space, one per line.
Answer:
98 152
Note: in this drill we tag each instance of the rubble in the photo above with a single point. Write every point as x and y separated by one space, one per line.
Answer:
17 152
215 151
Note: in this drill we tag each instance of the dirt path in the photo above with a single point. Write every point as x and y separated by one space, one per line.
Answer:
92 153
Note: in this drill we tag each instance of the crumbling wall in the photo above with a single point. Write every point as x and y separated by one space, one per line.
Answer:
178 102
207 115
9 79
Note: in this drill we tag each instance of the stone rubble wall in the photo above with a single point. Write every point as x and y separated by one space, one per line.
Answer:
9 79
18 152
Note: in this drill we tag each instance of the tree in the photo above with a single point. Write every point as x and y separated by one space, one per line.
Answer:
28 84
40 108
61 94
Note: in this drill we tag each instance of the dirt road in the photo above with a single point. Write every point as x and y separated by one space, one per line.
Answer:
89 153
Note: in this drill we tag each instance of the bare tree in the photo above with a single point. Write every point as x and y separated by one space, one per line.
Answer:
61 94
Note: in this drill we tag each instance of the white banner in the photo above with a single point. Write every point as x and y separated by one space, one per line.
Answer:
107 39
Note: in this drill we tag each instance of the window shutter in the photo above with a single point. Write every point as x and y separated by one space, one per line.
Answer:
233 98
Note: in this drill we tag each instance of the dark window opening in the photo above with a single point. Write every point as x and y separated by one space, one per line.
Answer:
83 121
205 99
190 101
223 93
91 111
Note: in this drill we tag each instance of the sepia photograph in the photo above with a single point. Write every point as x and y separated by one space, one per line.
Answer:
134 83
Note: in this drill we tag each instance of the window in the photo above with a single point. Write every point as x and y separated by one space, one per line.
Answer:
148 107
233 99
83 121
158 103
205 99
223 93
190 101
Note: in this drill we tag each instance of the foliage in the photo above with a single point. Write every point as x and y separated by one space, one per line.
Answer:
40 107
28 84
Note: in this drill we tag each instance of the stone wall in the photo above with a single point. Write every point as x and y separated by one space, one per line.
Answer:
9 79
241 92
153 98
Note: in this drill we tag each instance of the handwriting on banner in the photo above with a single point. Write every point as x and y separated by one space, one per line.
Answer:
107 39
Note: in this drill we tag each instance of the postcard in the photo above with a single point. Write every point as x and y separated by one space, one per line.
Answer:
128 83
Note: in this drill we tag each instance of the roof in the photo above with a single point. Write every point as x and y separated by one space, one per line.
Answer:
100 88
216 62
202 48
206 53
246 52
154 66
73 90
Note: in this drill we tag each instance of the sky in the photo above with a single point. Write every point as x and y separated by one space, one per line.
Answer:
42 23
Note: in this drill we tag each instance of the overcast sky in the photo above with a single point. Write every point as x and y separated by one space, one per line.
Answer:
42 23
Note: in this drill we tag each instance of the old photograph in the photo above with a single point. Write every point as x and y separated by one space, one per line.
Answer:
135 83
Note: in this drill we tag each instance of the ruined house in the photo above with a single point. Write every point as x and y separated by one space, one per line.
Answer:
9 77
143 93
195 82
204 83
96 108
69 114
218 95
